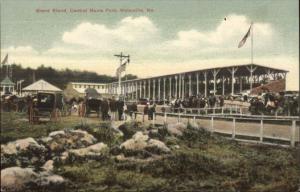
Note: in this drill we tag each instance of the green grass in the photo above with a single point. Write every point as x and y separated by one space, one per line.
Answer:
16 126
204 162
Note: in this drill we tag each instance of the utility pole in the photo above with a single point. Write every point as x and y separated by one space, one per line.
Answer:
122 57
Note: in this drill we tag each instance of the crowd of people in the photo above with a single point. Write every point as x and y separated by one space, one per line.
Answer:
113 108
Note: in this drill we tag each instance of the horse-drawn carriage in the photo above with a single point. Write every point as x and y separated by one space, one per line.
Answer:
45 105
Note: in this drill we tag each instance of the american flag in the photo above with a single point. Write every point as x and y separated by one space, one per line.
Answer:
243 41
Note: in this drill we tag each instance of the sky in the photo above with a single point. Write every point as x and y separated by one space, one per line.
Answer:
161 36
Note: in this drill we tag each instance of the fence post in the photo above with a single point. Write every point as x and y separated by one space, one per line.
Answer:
143 117
212 124
293 133
165 117
194 119
233 128
222 111
153 119
206 111
261 131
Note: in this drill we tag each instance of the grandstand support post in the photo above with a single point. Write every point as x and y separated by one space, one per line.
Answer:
179 88
140 89
232 71
205 83
251 70
190 85
215 73
159 89
149 89
176 87
136 90
293 133
261 131
223 86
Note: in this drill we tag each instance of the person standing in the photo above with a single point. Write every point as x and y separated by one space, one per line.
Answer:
120 108
113 108
104 109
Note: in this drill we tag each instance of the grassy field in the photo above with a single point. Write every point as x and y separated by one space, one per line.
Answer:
202 162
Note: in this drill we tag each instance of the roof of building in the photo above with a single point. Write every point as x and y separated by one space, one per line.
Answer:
7 81
41 85
242 70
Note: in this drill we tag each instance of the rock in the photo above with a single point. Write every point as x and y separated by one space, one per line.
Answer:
176 129
87 138
156 144
137 142
48 166
64 140
142 143
49 180
22 152
20 145
20 179
55 133
16 178
93 151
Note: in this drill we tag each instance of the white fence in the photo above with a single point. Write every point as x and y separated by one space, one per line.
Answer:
262 129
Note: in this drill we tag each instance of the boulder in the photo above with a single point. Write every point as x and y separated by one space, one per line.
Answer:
142 143
93 151
60 141
49 180
16 178
176 129
22 152
20 179
48 166
20 145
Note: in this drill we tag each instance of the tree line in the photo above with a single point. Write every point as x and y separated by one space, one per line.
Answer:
59 78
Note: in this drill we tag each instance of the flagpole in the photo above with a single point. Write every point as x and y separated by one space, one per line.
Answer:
251 42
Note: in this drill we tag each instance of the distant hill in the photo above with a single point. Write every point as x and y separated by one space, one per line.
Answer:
59 78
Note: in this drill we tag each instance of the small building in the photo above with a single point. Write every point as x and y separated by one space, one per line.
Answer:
40 86
78 89
7 86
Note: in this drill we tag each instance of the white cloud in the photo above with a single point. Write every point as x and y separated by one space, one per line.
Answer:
90 46
127 32
226 35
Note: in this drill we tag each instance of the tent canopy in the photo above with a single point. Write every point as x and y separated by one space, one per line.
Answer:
41 85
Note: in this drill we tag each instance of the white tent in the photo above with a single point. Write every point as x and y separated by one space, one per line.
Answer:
41 85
